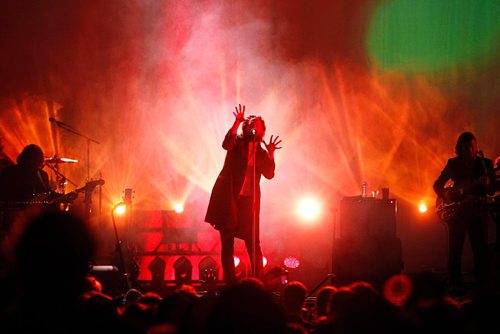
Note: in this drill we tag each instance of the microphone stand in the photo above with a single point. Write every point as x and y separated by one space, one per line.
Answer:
331 276
60 175
89 140
334 238
254 208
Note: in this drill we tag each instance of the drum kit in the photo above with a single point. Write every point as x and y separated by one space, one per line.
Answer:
10 209
13 210
66 198
62 180
53 164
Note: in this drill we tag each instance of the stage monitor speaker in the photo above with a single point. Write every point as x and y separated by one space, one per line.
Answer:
113 282
367 217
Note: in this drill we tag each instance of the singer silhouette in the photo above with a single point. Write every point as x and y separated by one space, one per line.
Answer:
234 204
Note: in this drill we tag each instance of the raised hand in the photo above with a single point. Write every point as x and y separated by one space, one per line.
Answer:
239 117
272 145
239 114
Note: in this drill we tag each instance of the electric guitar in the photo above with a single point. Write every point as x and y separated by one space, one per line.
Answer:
50 198
463 195
447 210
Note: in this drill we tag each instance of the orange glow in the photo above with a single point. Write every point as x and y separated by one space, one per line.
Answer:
154 85
165 162
309 209
422 207
120 209
179 208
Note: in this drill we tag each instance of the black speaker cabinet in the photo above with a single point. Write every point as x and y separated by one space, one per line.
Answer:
367 217
366 259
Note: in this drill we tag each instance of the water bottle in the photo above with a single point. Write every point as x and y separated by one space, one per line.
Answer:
363 189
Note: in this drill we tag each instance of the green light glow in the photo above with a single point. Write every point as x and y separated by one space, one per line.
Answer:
432 35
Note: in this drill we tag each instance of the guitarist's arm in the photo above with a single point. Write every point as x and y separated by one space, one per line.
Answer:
439 184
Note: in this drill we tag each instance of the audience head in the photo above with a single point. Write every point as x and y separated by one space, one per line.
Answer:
294 296
246 307
53 254
323 298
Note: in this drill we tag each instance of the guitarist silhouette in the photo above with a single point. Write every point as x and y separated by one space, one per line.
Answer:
460 206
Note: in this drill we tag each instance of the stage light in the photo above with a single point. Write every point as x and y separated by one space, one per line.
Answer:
291 262
309 209
179 208
241 270
236 261
157 269
183 271
264 261
422 207
120 208
208 270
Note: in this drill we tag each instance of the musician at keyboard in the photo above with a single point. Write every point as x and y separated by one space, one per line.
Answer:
473 179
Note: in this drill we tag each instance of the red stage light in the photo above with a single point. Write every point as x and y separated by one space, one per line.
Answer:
291 262
309 209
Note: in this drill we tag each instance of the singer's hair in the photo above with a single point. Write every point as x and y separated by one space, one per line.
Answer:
249 120
463 139
31 153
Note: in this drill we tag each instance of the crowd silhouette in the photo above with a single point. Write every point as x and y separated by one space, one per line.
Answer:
47 288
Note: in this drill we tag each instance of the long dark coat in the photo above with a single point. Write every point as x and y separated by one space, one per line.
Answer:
222 212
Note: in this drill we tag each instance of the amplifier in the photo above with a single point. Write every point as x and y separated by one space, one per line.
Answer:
367 217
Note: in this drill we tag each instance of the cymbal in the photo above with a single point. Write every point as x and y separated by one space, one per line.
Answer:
59 160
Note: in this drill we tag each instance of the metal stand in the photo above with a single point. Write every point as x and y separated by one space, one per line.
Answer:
118 247
334 236
122 266
70 129
61 178
320 284
254 210
331 276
